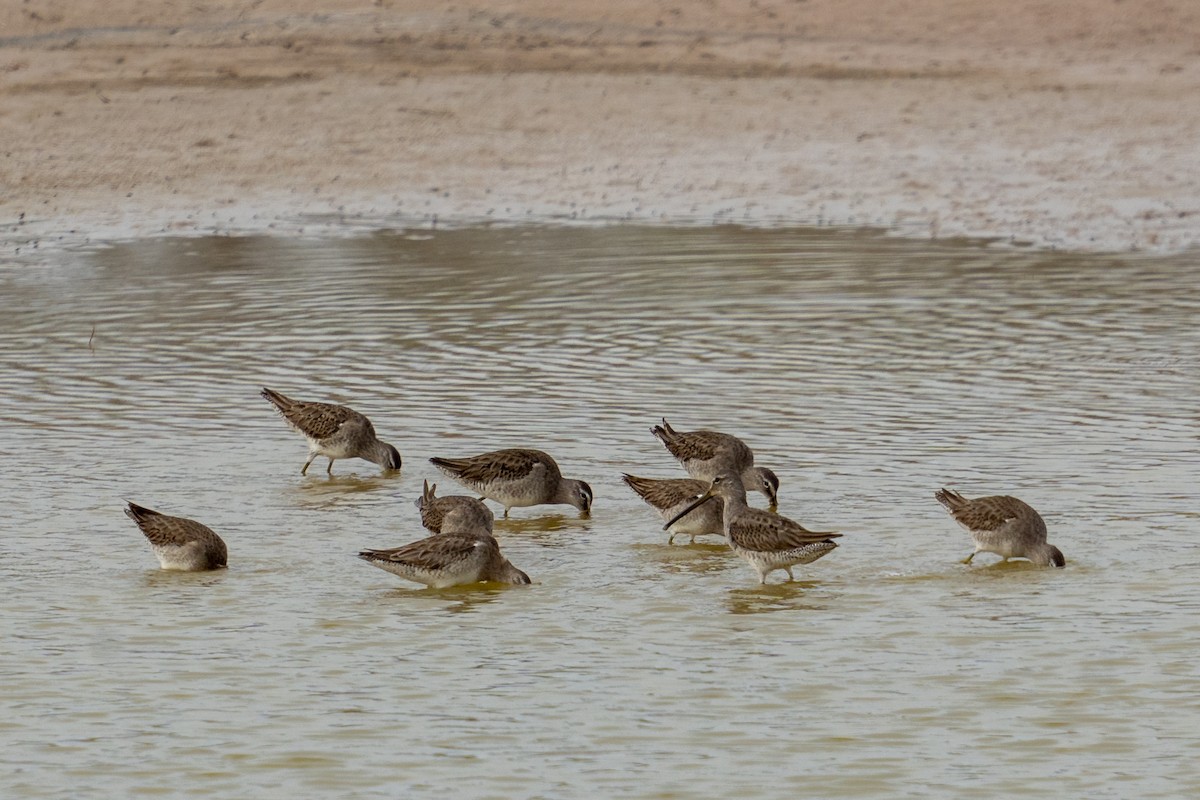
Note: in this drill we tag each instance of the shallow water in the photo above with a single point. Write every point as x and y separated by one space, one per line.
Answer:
866 371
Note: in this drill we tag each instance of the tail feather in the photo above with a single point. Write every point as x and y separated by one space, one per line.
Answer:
951 499
451 466
639 485
823 536
276 399
664 432
139 513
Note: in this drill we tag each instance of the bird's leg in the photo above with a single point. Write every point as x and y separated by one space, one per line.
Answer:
788 570
671 540
967 560
304 469
329 469
506 512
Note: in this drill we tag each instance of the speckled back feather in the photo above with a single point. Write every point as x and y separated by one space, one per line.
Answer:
454 512
763 531
498 465
164 530
666 492
984 513
442 551
316 420
704 445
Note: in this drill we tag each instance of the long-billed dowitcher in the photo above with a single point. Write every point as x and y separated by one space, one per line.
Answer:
1002 525
448 559
180 543
453 512
669 496
334 431
516 478
706 454
765 539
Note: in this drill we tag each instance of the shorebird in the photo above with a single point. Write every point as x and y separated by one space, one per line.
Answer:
453 512
516 478
765 539
180 543
448 559
706 454
669 496
334 432
1002 525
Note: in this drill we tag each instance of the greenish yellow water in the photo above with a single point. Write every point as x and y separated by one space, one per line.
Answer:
866 371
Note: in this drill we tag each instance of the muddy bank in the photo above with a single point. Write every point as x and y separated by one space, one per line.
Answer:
1029 123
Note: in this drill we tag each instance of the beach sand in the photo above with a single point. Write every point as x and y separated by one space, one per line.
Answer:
1055 124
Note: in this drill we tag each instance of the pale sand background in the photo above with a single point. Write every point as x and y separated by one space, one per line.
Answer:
1063 123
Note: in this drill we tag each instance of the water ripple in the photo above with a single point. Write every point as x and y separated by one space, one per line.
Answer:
867 371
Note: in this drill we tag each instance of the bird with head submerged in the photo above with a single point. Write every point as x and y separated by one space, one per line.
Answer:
452 512
1002 525
449 559
180 543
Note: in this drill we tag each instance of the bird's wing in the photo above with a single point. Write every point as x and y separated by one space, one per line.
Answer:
438 552
766 532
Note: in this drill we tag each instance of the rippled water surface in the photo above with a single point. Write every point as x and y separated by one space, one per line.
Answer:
867 371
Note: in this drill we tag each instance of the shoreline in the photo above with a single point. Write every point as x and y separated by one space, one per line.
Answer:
31 238
1072 130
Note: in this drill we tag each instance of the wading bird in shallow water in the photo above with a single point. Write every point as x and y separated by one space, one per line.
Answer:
453 512
180 543
669 496
448 559
516 478
766 540
334 432
706 454
1002 525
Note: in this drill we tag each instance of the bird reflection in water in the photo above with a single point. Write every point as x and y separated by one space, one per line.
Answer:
764 598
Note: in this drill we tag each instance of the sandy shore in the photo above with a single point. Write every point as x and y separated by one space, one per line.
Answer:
1028 121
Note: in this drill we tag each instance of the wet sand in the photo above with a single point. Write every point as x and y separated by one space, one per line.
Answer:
1028 122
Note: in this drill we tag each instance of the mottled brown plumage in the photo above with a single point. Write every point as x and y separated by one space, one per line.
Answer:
765 539
669 496
517 477
706 454
334 431
179 543
448 559
703 445
1003 525
453 513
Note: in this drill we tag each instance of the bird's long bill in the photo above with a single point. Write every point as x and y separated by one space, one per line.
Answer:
701 500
